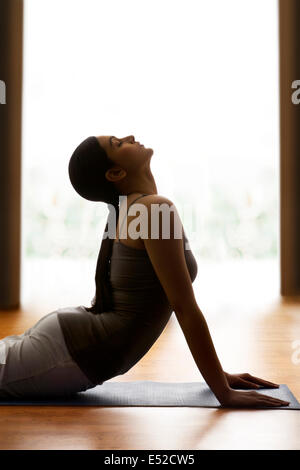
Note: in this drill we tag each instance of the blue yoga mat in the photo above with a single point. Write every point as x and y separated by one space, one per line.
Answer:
148 393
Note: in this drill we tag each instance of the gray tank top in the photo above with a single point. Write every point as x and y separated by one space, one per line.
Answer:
110 343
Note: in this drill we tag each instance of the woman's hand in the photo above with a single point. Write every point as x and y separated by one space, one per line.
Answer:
235 399
247 381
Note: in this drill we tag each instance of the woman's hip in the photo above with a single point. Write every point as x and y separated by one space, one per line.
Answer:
38 363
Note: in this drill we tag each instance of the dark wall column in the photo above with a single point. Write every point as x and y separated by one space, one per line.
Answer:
289 49
11 40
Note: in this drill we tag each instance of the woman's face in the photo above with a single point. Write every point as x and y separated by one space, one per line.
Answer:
125 152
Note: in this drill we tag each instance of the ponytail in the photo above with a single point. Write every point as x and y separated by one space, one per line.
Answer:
102 300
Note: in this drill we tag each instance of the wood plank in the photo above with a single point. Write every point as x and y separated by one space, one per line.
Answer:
251 335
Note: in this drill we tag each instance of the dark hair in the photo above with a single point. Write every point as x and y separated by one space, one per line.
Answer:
87 168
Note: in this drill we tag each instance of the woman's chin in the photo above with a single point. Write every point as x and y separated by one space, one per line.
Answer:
149 152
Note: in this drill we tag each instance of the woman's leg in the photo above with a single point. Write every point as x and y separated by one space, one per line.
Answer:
5 342
38 363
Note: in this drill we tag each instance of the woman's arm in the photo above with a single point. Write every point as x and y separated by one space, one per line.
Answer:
197 335
168 260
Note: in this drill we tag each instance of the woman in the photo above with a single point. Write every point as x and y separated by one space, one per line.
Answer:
140 281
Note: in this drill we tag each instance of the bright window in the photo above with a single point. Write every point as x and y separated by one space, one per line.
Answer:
195 80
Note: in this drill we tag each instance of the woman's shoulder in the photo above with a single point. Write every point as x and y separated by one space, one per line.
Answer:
157 203
159 211
157 199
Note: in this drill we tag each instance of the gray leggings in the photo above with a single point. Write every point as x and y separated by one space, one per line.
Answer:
37 363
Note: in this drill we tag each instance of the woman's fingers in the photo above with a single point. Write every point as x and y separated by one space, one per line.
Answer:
251 400
274 404
261 382
245 384
271 401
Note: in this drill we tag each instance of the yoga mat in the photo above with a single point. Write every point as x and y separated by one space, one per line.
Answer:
148 393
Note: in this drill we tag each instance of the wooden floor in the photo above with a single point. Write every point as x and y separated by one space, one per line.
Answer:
253 331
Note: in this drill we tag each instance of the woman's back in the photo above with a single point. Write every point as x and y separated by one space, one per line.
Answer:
110 343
